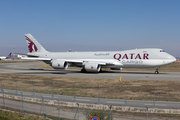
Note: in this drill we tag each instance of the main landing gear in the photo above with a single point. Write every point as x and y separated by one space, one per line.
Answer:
157 72
83 71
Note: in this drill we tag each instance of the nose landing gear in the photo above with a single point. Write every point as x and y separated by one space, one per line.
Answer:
157 72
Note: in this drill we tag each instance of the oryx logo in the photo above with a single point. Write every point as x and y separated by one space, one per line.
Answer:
31 45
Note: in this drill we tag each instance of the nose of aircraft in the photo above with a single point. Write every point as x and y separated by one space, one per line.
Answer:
171 59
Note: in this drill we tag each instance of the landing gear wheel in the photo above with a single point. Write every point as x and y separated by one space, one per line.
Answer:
83 70
156 72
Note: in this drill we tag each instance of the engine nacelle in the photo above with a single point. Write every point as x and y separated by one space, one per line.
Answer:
59 64
92 67
116 68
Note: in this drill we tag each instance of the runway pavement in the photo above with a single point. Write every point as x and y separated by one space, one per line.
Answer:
30 68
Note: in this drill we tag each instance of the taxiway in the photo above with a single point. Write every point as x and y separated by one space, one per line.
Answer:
30 68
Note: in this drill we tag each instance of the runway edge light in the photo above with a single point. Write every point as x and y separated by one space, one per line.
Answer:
120 79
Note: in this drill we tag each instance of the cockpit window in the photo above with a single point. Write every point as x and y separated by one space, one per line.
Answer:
162 51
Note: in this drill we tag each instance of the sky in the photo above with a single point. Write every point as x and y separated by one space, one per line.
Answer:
90 25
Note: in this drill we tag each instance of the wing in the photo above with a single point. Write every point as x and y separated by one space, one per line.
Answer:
88 65
34 58
78 61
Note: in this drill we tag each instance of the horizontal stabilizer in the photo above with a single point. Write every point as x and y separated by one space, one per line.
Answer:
27 55
32 58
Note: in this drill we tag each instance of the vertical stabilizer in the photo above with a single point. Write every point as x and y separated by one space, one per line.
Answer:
33 44
9 54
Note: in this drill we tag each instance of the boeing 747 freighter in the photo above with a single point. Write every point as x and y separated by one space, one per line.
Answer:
94 61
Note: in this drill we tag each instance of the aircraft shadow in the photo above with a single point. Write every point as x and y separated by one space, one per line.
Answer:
139 72
53 71
131 72
41 73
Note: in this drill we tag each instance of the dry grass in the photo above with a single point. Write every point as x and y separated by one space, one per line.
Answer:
10 115
109 88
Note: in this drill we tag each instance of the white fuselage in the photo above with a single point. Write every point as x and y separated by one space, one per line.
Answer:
128 58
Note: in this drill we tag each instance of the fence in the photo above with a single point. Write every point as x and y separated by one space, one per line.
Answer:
166 92
42 109
117 91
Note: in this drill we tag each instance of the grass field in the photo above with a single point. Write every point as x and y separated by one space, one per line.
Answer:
109 88
17 115
10 115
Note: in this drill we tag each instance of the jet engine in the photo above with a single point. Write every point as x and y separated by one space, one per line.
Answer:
92 67
59 64
116 68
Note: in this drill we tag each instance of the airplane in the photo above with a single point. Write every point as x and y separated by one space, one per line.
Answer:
4 57
94 61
